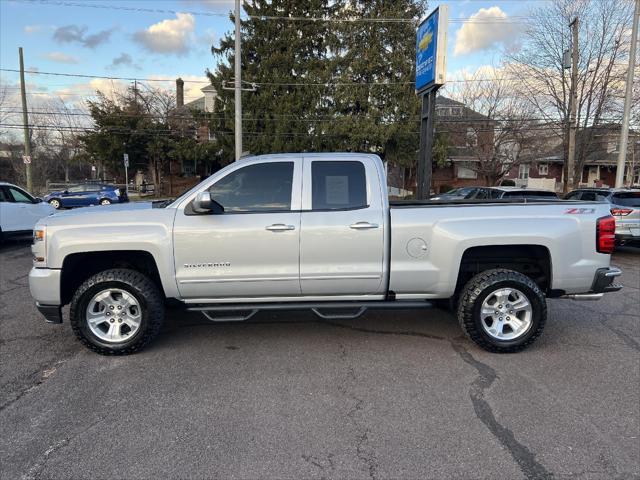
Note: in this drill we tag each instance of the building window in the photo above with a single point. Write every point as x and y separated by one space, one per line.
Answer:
472 137
543 169
465 172
612 146
523 171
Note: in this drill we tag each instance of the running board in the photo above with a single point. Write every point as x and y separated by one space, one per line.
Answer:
321 309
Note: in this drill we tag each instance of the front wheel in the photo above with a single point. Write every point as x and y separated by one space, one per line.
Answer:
55 203
105 201
117 312
502 310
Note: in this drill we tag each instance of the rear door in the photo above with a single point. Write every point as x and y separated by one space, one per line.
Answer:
342 228
252 249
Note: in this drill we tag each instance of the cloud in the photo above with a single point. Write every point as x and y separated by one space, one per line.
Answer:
168 36
29 29
61 57
123 60
77 34
487 28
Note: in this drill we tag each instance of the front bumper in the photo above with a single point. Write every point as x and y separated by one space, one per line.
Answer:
44 285
51 313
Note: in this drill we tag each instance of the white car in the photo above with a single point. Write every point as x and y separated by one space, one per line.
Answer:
19 211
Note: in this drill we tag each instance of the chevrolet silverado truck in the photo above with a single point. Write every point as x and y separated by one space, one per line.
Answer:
317 232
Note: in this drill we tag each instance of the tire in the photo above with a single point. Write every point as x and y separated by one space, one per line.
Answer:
55 203
125 288
105 201
491 330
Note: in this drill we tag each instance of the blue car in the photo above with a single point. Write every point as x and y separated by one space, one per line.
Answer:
87 194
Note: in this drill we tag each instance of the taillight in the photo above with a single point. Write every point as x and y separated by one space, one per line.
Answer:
605 234
621 212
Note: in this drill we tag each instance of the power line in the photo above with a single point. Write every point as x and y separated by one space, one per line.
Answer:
344 19
319 84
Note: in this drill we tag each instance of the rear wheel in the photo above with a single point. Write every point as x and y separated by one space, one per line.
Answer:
117 312
55 203
502 310
105 201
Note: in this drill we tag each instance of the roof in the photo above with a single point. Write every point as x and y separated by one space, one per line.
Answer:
310 156
520 189
198 104
605 189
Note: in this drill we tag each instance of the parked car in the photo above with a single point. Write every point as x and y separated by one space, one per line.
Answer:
483 193
513 193
87 194
456 193
264 233
624 206
19 211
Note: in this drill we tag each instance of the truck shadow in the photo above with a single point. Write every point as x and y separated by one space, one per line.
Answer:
182 327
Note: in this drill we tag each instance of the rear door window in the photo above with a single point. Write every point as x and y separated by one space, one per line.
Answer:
338 185
593 197
627 199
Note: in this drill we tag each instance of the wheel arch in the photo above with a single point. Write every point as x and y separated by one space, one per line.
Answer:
77 267
531 260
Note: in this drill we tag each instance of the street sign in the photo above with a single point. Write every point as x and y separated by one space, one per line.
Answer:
126 160
26 159
431 49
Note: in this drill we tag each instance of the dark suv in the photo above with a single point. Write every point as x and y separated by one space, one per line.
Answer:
625 207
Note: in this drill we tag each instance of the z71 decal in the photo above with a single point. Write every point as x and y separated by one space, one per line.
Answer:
579 211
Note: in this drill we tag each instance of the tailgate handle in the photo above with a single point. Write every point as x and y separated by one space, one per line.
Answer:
280 227
363 225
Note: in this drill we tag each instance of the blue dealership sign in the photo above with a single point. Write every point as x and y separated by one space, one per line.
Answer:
431 44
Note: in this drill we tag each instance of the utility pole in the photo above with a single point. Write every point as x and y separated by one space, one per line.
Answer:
573 105
624 133
238 85
25 121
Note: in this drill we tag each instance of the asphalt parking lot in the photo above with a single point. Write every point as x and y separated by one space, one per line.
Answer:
390 395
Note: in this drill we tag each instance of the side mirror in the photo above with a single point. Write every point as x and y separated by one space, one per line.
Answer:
203 203
66 191
37 200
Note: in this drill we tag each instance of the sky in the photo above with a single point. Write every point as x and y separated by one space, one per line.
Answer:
166 39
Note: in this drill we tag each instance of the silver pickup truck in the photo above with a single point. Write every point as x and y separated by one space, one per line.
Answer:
317 231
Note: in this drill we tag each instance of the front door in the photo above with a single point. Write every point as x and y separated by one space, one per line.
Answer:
252 249
342 228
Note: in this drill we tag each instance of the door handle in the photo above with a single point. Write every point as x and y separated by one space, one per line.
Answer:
363 225
280 227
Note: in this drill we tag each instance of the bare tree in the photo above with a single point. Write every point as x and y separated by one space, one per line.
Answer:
498 128
603 53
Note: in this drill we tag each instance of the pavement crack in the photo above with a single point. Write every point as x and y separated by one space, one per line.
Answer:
364 454
44 375
37 468
407 333
323 464
525 459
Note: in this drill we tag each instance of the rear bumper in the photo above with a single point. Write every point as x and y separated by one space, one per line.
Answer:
603 281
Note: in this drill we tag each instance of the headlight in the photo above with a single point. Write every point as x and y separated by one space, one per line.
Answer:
38 235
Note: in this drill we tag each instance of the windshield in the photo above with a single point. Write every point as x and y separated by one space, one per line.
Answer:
627 199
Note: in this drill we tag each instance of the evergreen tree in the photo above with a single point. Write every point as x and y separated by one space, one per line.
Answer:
323 85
